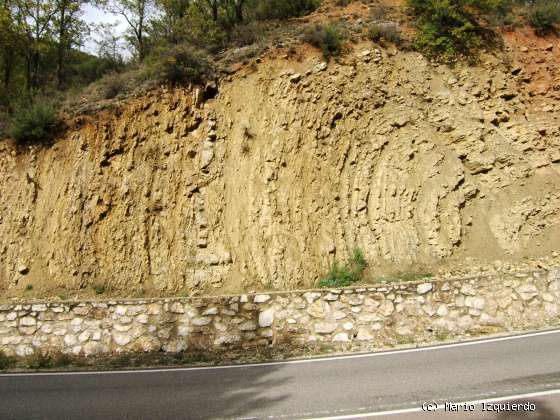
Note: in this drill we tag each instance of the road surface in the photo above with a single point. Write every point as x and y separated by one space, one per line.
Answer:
396 383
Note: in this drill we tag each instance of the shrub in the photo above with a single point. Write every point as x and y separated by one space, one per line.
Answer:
345 275
283 9
181 64
35 123
39 361
99 289
543 15
328 38
61 360
5 361
446 28
389 31
112 85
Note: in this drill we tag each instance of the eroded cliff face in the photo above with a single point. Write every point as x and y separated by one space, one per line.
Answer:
290 166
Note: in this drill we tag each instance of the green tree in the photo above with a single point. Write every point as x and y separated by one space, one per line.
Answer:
136 13
69 29
109 45
37 16
11 42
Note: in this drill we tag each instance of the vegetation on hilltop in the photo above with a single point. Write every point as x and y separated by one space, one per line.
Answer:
167 41
178 41
448 28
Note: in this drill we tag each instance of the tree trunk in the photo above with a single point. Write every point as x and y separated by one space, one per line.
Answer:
61 48
215 11
35 69
239 11
8 67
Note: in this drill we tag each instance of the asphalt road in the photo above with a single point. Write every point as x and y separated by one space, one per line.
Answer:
332 387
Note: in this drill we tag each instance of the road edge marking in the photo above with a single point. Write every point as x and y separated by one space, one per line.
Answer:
419 409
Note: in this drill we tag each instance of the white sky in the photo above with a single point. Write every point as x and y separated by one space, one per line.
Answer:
94 14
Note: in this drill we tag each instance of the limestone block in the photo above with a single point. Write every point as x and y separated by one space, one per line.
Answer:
338 315
176 308
84 336
442 310
27 321
201 321
311 297
429 309
154 309
122 328
70 340
81 310
248 326
331 297
424 288
210 311
475 302
317 309
120 339
226 339
341 337
468 290
93 348
142 318
11 340
261 298
325 327
386 308
368 318
527 291
364 335
266 318
24 350
348 326
120 310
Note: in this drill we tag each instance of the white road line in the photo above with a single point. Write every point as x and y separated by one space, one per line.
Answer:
419 409
300 361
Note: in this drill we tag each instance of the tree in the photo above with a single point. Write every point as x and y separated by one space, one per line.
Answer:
135 13
37 16
11 40
214 6
109 44
69 30
170 26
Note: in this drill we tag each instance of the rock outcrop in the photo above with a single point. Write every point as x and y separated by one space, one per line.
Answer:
287 168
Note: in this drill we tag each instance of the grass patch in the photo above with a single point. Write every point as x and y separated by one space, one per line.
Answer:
442 335
6 362
39 361
99 289
346 274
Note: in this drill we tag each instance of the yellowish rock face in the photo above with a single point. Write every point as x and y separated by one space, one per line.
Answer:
287 169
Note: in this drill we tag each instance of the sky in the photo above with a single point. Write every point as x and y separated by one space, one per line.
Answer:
94 14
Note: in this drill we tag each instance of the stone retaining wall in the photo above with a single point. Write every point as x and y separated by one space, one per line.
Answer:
381 316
